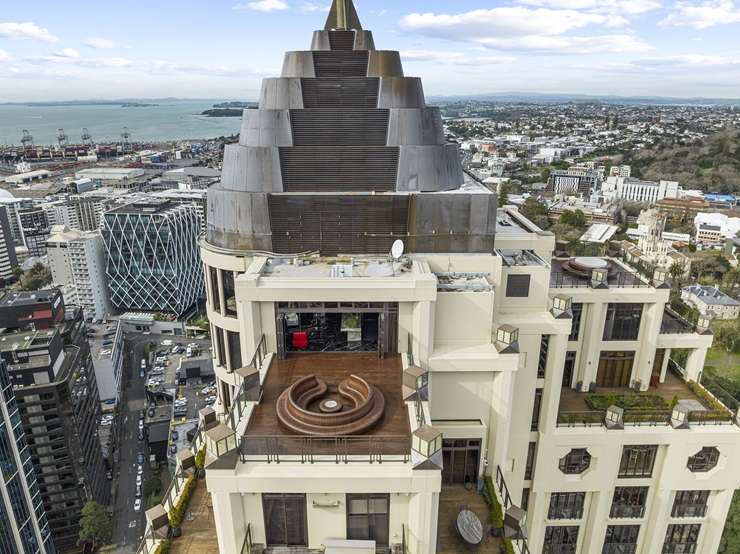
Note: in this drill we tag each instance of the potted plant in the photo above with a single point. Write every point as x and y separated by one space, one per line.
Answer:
176 521
200 462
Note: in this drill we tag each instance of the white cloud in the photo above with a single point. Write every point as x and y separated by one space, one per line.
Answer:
702 15
694 60
26 30
4 56
310 7
70 53
451 57
504 22
605 44
100 43
626 7
263 6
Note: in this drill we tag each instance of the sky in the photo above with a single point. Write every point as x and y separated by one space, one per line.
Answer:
73 49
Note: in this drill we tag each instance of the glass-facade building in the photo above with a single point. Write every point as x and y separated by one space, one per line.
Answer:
23 525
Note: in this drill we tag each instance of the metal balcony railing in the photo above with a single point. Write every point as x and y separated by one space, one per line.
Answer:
503 490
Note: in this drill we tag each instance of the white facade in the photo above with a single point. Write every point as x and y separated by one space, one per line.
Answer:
711 302
719 226
107 354
77 260
635 190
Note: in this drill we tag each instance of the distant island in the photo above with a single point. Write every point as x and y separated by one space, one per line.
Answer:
223 112
138 105
234 105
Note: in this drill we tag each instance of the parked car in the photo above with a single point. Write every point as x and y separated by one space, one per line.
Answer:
138 480
109 475
141 434
137 505
140 470
138 491
140 458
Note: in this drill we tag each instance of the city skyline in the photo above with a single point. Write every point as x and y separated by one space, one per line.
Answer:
596 47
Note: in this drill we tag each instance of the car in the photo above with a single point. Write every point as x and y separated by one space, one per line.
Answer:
152 411
138 491
141 434
140 470
173 449
141 425
137 505
109 475
141 414
140 458
168 343
138 480
175 435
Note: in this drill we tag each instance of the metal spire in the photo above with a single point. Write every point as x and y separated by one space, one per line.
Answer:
342 16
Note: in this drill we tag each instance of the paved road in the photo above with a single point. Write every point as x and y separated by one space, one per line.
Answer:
128 526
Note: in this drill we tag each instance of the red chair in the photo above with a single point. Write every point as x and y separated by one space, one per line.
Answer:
299 340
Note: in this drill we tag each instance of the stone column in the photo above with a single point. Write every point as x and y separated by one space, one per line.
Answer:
719 506
652 316
695 363
592 330
501 413
557 349
231 525
659 507
423 513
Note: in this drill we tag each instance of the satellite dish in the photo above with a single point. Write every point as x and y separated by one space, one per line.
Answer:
397 250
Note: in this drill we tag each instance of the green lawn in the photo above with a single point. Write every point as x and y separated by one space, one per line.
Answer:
723 363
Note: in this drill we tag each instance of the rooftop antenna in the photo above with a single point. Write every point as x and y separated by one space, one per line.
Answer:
342 16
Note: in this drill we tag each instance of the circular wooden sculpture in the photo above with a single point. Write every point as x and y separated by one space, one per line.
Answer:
311 407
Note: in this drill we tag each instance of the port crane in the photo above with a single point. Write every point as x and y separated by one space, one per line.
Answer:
27 140
126 141
86 137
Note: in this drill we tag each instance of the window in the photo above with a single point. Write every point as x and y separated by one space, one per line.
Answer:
566 505
575 462
704 460
542 363
575 330
235 350
525 499
623 322
629 502
220 348
690 504
560 540
621 539
229 292
285 519
536 410
681 539
637 461
529 468
215 296
517 286
367 518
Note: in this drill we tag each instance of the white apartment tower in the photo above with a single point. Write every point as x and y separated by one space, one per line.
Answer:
77 260
366 391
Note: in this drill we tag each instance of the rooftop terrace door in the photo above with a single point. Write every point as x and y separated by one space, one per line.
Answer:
460 461
285 519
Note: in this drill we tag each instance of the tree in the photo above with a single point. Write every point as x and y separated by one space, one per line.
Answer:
536 212
96 528
152 486
574 218
731 537
676 271
36 278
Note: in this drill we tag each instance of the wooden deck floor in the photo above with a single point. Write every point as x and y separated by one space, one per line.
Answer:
386 374
452 498
674 386
198 528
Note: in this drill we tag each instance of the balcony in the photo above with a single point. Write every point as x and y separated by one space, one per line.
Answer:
627 511
388 440
674 324
651 408
567 274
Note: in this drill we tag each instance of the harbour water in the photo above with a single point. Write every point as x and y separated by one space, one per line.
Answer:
170 120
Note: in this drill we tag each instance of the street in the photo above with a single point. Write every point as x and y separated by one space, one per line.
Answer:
128 526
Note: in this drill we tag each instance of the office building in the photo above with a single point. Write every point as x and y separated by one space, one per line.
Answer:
23 524
8 259
152 256
35 228
77 261
635 190
574 181
195 197
52 376
363 395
